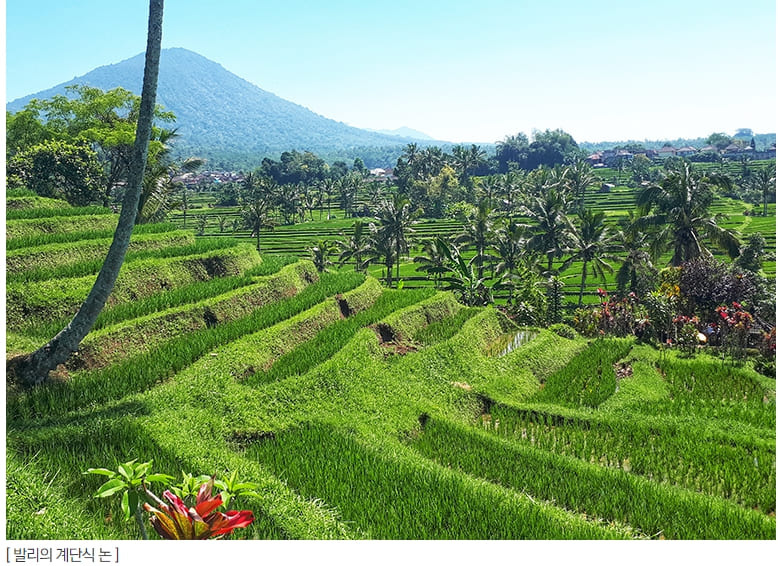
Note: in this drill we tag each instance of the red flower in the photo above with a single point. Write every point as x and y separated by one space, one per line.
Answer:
177 522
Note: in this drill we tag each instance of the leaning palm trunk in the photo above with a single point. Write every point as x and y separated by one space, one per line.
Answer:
34 369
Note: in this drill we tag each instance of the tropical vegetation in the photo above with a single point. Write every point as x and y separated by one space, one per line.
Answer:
476 346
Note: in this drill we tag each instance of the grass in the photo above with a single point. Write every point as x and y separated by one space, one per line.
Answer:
187 294
333 338
33 303
55 209
142 371
603 492
92 234
392 495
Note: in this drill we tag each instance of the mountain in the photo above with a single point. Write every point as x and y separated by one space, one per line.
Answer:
405 132
220 114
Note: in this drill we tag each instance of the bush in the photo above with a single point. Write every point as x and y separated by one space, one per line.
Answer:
58 169
705 284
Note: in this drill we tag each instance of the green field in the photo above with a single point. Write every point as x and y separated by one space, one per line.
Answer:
362 412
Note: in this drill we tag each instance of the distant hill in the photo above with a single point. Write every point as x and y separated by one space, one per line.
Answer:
225 118
405 132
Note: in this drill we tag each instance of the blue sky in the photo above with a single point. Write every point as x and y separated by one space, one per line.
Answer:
457 70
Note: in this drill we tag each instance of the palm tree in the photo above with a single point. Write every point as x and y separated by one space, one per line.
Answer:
592 244
547 213
327 187
638 255
349 186
681 215
381 247
257 199
354 247
375 192
158 196
763 181
511 187
34 369
467 160
432 261
489 188
431 161
479 235
288 199
511 247
395 220
411 155
320 254
578 177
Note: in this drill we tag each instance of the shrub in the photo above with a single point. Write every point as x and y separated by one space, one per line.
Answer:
624 317
704 284
58 169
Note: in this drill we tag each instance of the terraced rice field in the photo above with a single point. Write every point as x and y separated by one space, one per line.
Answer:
297 239
365 412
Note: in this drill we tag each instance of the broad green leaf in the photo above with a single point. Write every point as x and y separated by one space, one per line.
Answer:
100 471
142 469
126 470
126 505
110 487
159 478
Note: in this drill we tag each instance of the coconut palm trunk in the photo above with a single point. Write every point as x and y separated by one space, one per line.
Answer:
583 284
34 369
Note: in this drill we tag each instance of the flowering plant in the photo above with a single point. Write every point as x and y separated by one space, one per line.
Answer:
176 521
736 323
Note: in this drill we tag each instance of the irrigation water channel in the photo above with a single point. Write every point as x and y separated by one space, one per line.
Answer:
522 337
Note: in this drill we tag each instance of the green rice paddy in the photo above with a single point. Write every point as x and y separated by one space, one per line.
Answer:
365 412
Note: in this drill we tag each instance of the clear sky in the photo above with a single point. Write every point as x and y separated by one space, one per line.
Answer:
473 71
